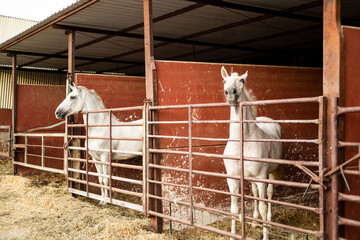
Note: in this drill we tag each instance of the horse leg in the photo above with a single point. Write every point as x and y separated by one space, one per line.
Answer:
263 208
105 169
234 188
255 192
99 170
270 192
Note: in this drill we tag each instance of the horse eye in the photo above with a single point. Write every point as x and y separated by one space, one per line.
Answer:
226 92
72 97
242 80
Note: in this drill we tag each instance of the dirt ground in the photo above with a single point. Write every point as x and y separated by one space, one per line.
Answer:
38 207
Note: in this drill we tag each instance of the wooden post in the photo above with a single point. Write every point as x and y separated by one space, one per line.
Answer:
154 205
333 86
14 96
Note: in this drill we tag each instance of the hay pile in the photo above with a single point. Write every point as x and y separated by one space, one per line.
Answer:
38 207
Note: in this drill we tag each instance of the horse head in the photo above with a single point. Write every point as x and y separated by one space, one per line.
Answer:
72 104
233 85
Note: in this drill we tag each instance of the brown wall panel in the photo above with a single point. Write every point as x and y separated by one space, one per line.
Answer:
352 126
5 116
191 83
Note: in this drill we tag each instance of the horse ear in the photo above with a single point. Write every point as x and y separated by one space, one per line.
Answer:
244 76
73 87
224 73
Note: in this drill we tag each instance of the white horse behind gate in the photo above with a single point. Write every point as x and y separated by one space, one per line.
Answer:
235 93
83 100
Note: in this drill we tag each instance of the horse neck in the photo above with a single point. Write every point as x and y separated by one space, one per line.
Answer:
93 104
249 129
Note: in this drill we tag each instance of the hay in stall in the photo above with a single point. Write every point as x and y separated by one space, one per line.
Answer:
39 207
288 216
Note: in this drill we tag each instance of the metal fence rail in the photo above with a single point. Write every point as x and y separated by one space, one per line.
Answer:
190 153
43 156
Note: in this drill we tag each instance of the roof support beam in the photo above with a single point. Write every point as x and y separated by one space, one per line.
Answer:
77 57
248 8
164 39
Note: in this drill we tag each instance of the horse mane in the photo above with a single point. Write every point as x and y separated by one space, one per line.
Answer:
94 94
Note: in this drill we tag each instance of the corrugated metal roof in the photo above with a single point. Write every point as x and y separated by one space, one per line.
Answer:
275 37
10 27
26 77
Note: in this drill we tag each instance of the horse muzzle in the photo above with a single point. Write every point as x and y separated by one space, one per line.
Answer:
60 114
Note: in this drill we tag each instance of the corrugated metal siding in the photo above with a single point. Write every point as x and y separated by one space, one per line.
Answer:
26 77
10 27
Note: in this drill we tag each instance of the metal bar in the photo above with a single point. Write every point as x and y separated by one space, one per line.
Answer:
100 198
321 156
241 158
26 150
342 110
39 135
348 144
87 153
105 138
54 170
145 157
334 163
110 154
349 222
190 167
42 151
348 197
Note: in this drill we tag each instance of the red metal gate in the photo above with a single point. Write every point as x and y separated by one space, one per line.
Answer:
189 152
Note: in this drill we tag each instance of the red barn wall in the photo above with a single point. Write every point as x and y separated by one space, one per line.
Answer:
352 126
36 108
5 117
190 83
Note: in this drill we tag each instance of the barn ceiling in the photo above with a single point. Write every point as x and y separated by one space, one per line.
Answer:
109 34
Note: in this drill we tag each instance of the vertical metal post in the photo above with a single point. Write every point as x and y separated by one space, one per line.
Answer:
110 155
155 204
321 155
26 149
334 163
43 151
241 151
14 96
87 153
190 169
332 87
145 157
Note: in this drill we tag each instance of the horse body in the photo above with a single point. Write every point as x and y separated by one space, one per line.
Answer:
83 100
235 92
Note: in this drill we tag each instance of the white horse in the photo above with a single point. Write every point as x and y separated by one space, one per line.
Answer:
235 93
83 100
